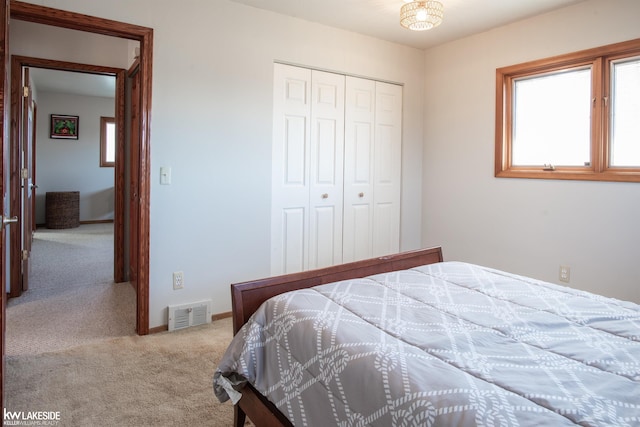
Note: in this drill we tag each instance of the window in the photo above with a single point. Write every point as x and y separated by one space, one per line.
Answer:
107 141
574 116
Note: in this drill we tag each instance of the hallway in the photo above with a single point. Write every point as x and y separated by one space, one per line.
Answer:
72 299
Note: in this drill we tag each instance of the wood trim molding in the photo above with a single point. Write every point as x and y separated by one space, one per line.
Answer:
221 316
4 137
158 329
119 181
76 21
146 61
144 35
14 184
599 61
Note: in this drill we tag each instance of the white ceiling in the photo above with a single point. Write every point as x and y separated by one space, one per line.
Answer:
375 18
74 83
380 18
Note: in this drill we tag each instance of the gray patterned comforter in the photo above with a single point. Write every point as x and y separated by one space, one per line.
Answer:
448 344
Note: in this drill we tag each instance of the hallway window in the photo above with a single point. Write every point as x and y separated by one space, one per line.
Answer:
107 141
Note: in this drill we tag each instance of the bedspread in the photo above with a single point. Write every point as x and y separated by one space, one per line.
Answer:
447 344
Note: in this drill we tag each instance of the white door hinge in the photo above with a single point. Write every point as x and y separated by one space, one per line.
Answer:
25 173
25 91
25 255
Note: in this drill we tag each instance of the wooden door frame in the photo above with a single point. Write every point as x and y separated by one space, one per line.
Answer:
144 35
33 165
4 135
24 194
133 122
17 63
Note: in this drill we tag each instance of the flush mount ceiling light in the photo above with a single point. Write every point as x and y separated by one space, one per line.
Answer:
421 15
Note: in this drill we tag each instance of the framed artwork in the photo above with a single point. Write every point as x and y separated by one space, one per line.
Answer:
64 127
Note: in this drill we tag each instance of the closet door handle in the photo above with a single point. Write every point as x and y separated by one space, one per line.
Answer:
325 196
361 195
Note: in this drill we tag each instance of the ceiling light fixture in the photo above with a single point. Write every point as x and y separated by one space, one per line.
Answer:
421 15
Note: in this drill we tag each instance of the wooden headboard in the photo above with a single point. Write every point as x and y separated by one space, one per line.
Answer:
246 297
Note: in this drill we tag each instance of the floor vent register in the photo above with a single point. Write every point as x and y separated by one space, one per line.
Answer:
186 315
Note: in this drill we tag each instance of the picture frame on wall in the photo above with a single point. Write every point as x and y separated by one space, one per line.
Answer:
64 126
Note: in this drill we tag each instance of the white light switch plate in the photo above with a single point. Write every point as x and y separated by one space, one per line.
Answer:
165 175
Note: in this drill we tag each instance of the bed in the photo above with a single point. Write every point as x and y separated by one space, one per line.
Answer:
410 339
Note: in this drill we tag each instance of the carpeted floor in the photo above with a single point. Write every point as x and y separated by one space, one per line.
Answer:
158 380
71 345
72 299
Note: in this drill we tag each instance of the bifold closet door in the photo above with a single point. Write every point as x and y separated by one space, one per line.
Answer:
307 156
290 171
358 171
372 173
326 169
387 169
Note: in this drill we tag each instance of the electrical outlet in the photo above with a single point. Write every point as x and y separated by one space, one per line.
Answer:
178 280
565 273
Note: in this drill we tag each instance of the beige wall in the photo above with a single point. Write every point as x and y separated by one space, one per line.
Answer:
74 165
528 227
211 123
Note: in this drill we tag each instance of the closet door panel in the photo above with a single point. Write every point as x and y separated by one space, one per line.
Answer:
326 156
387 169
293 228
357 243
323 238
290 169
294 154
326 172
358 171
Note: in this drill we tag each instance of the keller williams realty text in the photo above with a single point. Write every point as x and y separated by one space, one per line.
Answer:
46 416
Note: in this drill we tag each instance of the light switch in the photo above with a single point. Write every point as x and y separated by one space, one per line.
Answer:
165 175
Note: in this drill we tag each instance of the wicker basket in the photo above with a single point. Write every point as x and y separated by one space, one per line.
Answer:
63 209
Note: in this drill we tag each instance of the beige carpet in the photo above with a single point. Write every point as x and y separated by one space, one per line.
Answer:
157 380
72 299
71 345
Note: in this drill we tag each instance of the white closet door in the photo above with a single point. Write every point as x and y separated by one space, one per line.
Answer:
387 169
358 169
326 169
336 169
290 169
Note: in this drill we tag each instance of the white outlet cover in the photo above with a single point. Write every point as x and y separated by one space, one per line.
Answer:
178 280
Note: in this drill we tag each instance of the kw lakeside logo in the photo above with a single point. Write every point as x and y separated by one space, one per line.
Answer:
31 418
